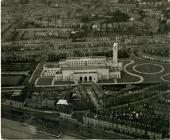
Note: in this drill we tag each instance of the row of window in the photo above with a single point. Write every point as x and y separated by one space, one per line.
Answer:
68 78
116 76
51 70
86 62
86 44
58 77
49 74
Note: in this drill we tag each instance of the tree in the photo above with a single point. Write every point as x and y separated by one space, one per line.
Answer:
141 13
118 16
85 19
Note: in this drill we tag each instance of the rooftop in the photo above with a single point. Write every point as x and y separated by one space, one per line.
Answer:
90 57
62 102
52 65
85 72
84 68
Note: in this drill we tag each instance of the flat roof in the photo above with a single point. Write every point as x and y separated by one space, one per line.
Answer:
90 57
113 70
52 65
84 68
85 72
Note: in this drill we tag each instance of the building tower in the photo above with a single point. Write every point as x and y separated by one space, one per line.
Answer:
115 52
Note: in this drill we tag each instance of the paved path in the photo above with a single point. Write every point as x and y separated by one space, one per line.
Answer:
141 79
125 69
163 79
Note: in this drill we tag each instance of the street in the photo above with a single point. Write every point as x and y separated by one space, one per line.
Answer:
17 130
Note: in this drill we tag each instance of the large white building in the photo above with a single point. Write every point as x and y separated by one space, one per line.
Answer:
84 69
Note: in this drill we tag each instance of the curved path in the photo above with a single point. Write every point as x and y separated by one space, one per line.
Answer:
125 69
162 77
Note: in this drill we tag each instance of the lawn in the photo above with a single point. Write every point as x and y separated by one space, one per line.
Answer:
44 81
127 78
167 77
63 82
148 68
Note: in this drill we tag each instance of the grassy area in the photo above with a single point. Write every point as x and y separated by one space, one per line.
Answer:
148 68
167 77
18 66
45 81
12 80
63 82
148 78
127 78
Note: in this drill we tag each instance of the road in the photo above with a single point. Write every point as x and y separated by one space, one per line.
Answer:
17 130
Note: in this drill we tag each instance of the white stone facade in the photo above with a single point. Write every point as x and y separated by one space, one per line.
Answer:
85 69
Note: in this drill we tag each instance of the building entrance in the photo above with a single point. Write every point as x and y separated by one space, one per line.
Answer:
85 79
81 79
